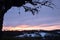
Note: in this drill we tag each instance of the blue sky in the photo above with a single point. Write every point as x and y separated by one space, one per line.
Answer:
46 15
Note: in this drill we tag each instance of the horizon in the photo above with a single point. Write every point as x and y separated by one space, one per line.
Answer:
29 27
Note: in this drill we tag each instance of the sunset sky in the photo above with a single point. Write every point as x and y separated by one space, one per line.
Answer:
46 19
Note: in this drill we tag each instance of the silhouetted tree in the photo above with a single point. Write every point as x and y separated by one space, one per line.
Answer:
5 5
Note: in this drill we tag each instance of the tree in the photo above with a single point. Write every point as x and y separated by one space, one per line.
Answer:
7 4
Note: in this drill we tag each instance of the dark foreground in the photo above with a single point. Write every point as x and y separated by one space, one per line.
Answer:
21 38
49 35
6 38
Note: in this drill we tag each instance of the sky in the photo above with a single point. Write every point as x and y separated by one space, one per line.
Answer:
46 19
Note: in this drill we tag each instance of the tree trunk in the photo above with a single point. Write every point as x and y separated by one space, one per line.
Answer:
1 24
3 10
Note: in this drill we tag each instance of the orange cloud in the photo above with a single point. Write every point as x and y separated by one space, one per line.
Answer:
29 27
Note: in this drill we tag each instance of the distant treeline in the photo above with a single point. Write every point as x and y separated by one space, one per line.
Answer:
14 33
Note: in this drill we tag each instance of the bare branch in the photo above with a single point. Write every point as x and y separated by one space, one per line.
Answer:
47 3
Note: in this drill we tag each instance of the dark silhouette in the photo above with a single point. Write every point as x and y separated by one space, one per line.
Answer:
5 5
49 35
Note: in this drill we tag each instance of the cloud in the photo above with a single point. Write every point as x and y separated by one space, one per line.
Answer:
29 27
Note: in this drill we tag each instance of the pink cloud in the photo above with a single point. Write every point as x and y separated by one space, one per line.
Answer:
29 27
